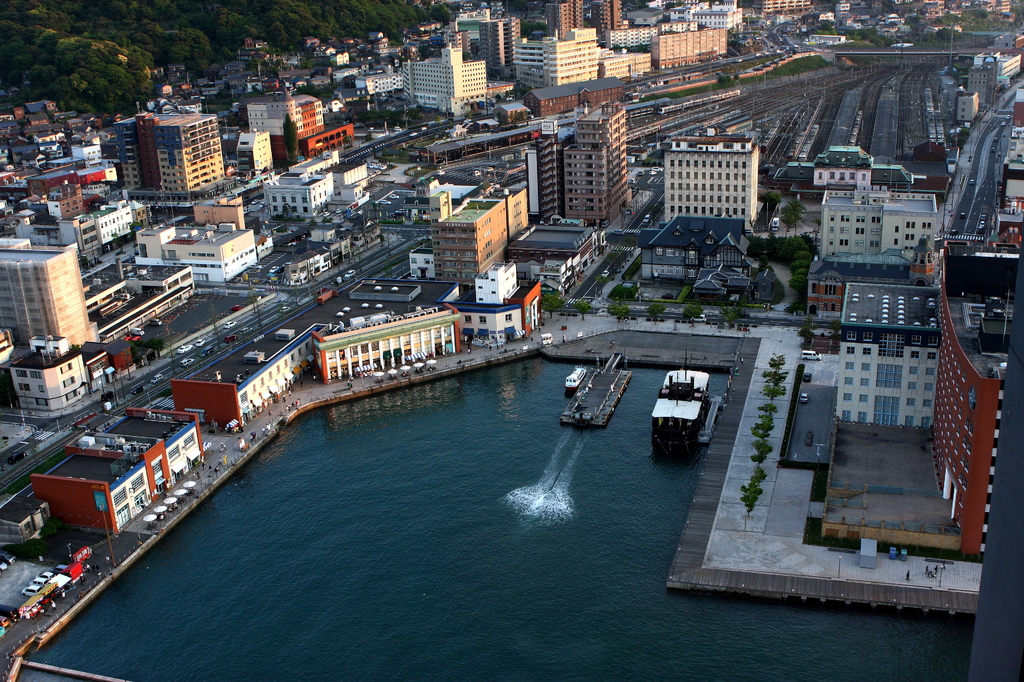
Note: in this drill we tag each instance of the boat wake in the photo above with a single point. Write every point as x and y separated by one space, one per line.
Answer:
548 500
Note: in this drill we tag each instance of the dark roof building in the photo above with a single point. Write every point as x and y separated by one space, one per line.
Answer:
560 98
681 248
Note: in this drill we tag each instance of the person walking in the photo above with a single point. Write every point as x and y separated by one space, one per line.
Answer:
908 576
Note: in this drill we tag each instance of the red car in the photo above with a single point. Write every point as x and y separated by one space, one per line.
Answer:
230 338
235 308
132 338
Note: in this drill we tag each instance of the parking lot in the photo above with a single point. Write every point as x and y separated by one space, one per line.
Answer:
813 419
16 578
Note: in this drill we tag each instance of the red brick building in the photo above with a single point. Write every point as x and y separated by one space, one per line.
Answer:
561 98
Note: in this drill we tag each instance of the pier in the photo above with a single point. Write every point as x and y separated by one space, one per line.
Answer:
594 404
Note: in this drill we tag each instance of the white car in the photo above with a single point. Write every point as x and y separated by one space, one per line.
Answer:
43 578
187 361
184 349
229 325
157 379
31 590
200 343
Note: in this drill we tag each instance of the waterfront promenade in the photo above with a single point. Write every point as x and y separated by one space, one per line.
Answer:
734 545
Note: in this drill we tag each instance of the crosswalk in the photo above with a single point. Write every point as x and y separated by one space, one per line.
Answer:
43 435
164 404
573 301
631 230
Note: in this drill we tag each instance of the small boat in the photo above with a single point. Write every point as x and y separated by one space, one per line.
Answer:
573 381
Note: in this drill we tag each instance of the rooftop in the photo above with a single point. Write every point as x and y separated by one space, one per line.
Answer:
890 200
555 237
360 297
87 467
981 316
895 306
159 429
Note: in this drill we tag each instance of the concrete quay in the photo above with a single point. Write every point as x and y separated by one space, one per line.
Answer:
722 549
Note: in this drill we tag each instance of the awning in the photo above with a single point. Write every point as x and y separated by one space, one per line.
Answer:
305 364
510 331
467 332
178 465
386 354
482 332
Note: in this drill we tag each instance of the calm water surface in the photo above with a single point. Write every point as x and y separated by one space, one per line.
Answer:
456 531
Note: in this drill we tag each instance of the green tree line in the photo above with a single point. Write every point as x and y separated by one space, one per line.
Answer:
98 55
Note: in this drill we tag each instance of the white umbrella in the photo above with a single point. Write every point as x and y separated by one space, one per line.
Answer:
170 500
180 491
189 484
149 518
392 372
431 362
378 374
160 510
417 365
405 368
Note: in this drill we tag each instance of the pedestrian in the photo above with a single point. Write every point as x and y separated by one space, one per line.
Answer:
908 576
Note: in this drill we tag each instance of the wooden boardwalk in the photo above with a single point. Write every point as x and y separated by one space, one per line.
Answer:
701 518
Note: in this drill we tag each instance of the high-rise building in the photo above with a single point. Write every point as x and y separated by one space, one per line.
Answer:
446 83
609 17
774 6
998 649
544 171
861 221
976 316
178 154
254 152
712 176
549 62
497 46
41 293
563 17
595 165
268 114
470 241
669 50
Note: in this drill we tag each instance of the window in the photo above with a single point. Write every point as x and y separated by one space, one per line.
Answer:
911 385
931 355
850 365
865 366
850 350
908 420
482 319
848 381
469 319
868 336
862 398
864 381
21 373
847 397
508 317
846 415
120 496
862 417
889 376
916 339
913 369
891 346
887 408
911 402
866 351
929 387
915 355
926 422
929 371
851 336
926 403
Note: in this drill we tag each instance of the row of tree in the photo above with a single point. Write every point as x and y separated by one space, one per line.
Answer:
774 387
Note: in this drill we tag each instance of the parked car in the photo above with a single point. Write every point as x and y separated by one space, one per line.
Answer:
31 590
8 557
803 398
14 459
235 308
229 325
199 343
138 389
807 377
350 274
43 577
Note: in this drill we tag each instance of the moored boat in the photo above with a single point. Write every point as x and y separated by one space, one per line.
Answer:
573 381
681 410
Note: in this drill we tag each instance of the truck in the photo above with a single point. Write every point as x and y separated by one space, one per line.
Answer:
73 572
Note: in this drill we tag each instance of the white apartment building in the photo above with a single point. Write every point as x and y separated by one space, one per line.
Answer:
254 154
305 111
1006 65
889 358
548 62
446 83
874 221
634 36
300 194
215 255
88 154
712 176
710 15
53 377
373 83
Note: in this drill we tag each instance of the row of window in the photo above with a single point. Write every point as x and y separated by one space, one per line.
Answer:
887 419
890 353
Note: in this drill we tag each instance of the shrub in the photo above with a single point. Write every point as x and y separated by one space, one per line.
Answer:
51 527
30 550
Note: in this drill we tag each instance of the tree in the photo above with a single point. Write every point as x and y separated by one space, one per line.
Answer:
8 398
771 199
549 303
771 391
751 492
291 139
693 310
806 331
762 449
656 310
619 309
731 313
583 306
792 213
768 408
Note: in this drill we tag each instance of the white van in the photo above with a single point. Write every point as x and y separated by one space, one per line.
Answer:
809 355
547 339
775 224
137 331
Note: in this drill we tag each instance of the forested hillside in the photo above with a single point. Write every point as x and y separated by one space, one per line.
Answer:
95 55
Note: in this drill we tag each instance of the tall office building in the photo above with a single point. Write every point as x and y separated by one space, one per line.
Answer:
595 165
544 171
548 62
446 82
268 114
712 176
497 46
177 154
997 653
563 17
41 293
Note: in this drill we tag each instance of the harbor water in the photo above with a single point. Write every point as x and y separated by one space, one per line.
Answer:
456 531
